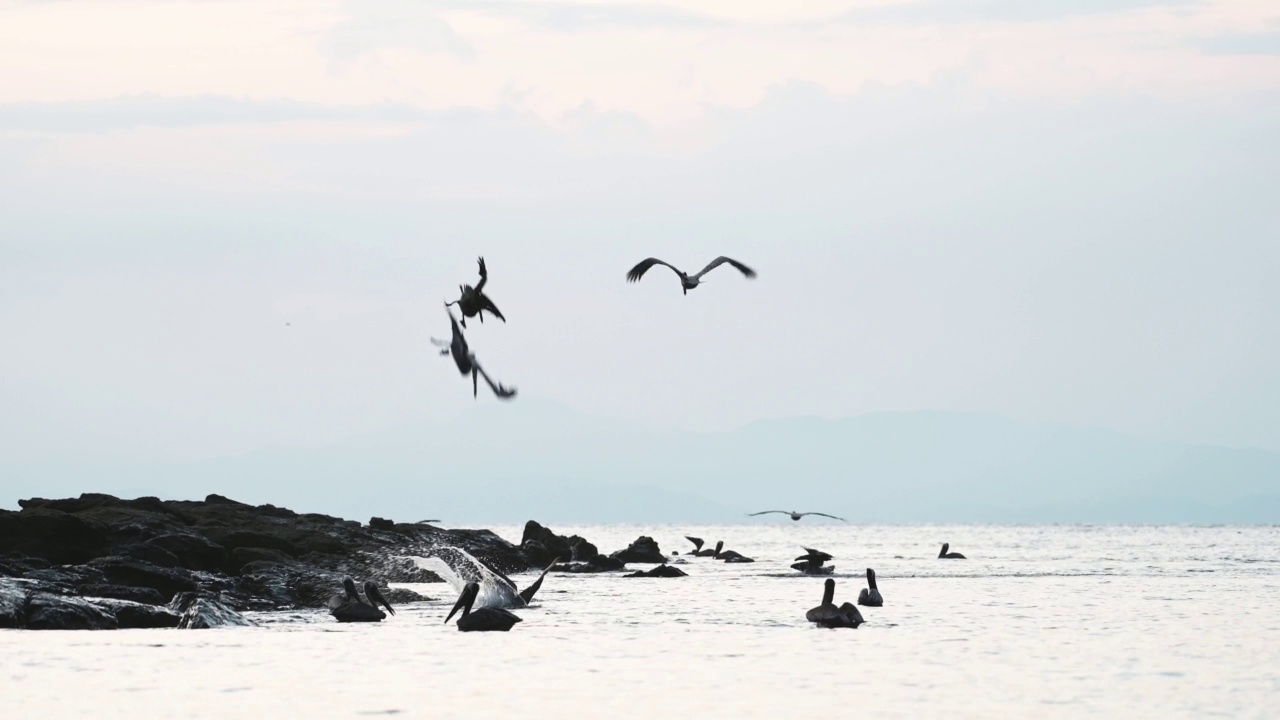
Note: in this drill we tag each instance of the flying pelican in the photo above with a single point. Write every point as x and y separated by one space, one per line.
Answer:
687 282
944 555
796 515
466 361
484 619
474 302
348 607
827 615
870 595
811 563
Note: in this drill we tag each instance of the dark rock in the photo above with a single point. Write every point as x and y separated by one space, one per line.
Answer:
598 564
199 613
144 595
662 571
643 550
378 523
242 556
52 535
138 573
192 551
133 615
583 551
400 596
46 611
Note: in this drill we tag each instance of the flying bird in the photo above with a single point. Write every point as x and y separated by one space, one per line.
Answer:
796 515
474 302
466 361
687 282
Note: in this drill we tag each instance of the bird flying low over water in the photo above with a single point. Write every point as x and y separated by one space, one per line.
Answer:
796 515
348 607
870 595
484 619
687 282
827 615
944 555
473 302
466 361
811 563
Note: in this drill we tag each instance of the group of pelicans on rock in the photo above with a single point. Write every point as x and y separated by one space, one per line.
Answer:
473 302
348 606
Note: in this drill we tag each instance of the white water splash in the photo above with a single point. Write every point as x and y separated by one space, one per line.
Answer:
458 567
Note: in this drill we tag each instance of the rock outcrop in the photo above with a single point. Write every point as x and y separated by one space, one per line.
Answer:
643 549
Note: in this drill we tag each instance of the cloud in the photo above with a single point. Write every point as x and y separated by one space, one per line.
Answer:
578 16
150 110
972 11
410 24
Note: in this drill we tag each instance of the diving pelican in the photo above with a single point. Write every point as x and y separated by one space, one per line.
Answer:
827 615
474 302
466 361
348 607
687 282
944 555
870 595
796 515
484 619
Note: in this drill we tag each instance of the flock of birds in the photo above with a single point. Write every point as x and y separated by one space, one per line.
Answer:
473 302
348 606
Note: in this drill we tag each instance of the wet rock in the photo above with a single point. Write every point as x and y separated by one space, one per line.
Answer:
662 571
583 551
47 611
400 596
378 523
139 573
51 535
199 613
193 552
144 595
600 563
643 549
134 615
242 556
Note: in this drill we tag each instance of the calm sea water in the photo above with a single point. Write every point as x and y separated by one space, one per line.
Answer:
1060 621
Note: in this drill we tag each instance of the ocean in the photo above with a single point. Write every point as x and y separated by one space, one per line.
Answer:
1039 621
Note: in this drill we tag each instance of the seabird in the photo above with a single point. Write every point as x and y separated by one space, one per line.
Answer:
811 563
870 595
466 361
687 282
796 515
348 607
944 555
733 556
697 544
484 619
474 302
709 552
827 615
527 594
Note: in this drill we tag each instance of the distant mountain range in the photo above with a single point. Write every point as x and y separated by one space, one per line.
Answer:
534 458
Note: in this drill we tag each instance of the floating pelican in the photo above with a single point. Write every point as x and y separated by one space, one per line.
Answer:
697 544
687 282
474 302
870 595
466 361
944 555
348 607
708 552
484 619
733 556
827 615
796 515
811 563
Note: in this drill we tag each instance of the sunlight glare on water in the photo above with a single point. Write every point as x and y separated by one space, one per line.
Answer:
1049 621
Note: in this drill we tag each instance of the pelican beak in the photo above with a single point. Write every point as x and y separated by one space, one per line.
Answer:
456 607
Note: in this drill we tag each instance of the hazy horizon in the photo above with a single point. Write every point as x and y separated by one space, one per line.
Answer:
229 227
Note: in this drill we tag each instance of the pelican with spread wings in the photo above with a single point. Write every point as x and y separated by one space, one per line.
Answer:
796 515
466 361
687 281
473 302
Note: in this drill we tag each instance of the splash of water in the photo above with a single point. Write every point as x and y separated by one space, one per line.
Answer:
458 567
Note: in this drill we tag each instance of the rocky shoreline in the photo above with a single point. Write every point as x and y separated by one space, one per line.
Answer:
101 562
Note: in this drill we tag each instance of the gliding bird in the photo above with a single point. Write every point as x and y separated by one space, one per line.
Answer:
474 302
687 282
796 515
466 361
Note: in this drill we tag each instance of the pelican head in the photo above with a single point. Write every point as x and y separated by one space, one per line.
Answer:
945 548
350 586
375 597
719 547
465 600
828 592
871 579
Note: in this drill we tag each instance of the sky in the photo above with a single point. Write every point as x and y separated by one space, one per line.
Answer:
230 225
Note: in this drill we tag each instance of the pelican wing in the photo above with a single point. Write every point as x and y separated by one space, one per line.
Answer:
498 389
487 304
833 517
637 272
722 260
697 542
766 512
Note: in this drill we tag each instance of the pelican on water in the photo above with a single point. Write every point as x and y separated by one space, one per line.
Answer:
796 515
466 361
474 302
484 619
944 555
348 607
697 544
827 615
687 282
708 552
870 595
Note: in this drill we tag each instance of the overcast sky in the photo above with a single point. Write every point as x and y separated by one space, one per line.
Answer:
1058 210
